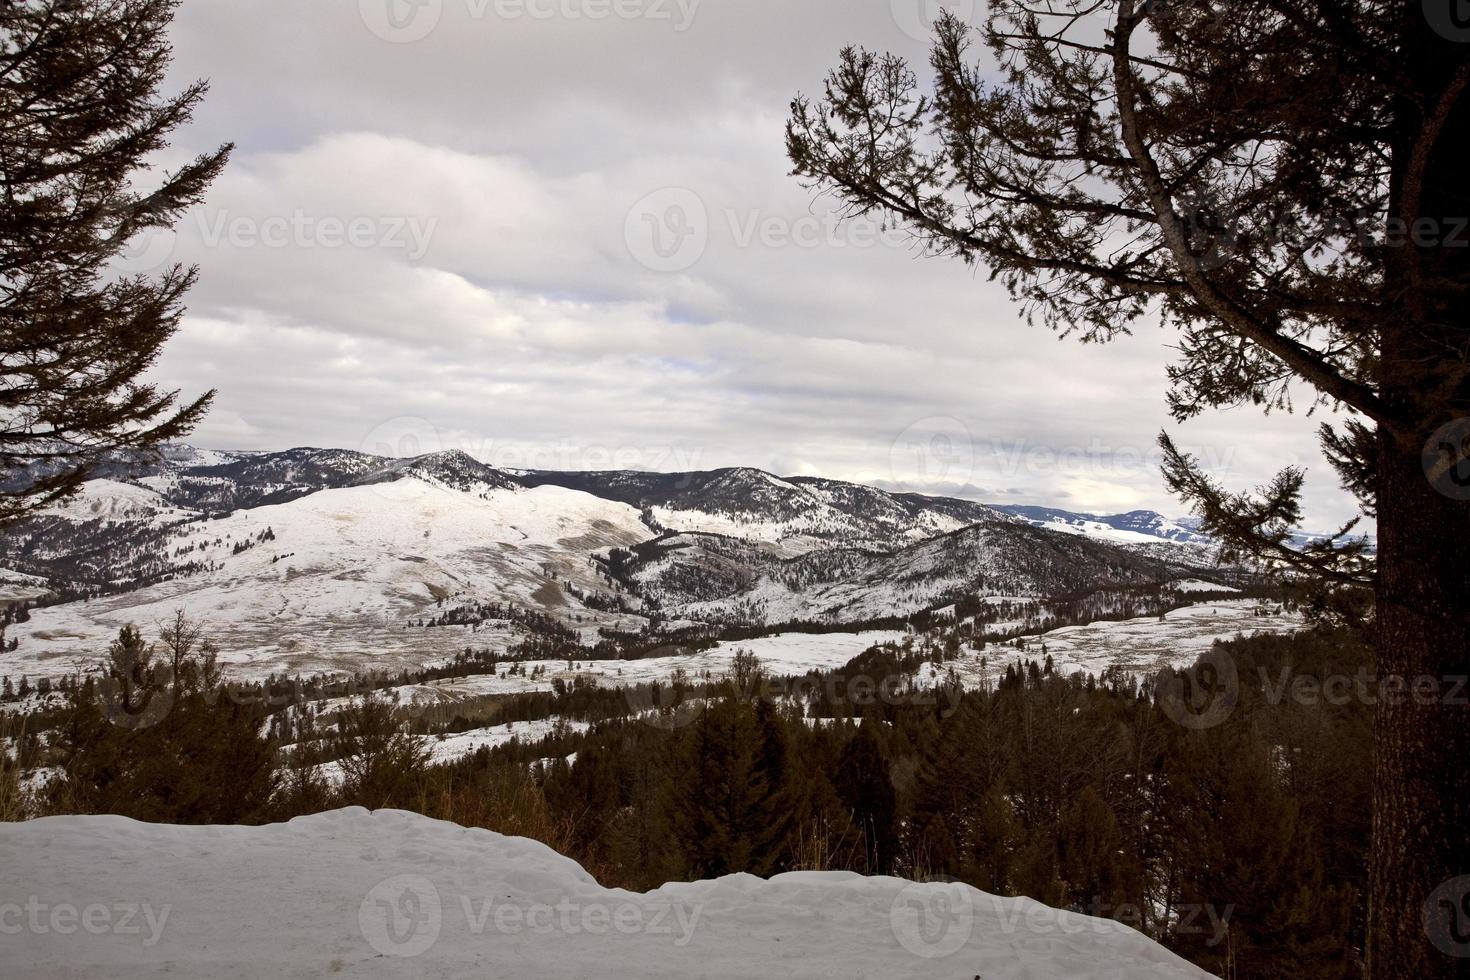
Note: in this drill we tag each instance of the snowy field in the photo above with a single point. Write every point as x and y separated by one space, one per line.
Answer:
1141 645
393 894
448 748
444 749
785 653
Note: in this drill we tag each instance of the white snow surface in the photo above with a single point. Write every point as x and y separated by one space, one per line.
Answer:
1104 532
780 655
444 749
447 748
1141 646
394 894
18 586
1188 585
347 570
113 501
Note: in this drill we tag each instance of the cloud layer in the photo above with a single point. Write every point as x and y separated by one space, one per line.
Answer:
561 233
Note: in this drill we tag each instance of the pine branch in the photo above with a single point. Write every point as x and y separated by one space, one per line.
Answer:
1260 525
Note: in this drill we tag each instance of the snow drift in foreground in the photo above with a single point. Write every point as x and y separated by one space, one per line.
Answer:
392 894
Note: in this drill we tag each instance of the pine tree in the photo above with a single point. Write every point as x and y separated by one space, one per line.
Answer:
1089 849
866 787
79 96
382 765
1283 183
781 806
179 755
716 813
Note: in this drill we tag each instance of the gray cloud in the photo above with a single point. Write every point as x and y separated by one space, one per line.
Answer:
445 237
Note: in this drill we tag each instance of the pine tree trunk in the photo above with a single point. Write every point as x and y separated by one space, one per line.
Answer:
1419 902
1421 818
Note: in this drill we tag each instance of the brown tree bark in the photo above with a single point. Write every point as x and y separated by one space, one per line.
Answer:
1421 819
1420 896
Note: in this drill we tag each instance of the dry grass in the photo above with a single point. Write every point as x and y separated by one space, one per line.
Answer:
15 802
514 805
818 849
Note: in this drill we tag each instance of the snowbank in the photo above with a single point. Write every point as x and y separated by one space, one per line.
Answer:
393 894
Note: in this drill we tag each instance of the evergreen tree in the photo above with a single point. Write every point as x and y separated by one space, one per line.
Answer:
717 808
382 765
781 806
145 748
79 96
866 789
1283 183
1089 854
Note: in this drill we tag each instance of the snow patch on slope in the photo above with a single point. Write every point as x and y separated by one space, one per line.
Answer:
18 586
113 501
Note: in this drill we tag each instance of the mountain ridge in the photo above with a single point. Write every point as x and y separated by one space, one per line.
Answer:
199 475
323 559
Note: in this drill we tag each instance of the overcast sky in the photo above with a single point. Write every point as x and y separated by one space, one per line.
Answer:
561 233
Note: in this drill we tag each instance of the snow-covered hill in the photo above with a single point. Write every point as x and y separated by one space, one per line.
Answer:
332 560
1141 528
393 894
791 516
330 582
113 502
707 577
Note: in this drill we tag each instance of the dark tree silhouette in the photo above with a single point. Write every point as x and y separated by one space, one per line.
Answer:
80 116
1283 183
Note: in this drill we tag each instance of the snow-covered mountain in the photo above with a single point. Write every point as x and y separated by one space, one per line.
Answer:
794 515
331 560
392 894
1136 526
706 577
332 581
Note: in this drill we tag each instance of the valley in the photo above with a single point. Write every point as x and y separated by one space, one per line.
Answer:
449 586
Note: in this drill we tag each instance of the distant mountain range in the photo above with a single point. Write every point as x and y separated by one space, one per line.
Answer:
1134 526
319 559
